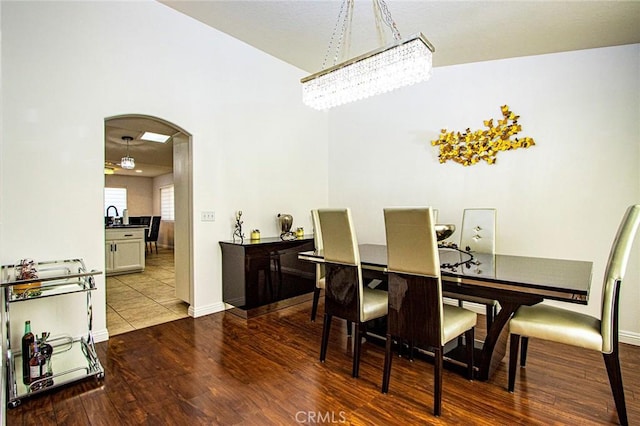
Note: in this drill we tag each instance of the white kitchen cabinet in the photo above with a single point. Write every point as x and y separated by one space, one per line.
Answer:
124 249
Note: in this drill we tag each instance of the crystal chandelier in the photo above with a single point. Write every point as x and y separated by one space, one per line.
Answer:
402 63
127 162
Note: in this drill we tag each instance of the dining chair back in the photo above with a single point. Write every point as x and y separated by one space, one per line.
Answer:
573 328
145 220
416 310
478 234
320 273
478 230
154 231
613 276
134 220
345 295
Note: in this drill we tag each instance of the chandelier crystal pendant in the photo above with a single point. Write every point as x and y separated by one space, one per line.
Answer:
402 63
127 162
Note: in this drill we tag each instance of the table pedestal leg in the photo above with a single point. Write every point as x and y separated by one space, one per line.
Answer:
495 344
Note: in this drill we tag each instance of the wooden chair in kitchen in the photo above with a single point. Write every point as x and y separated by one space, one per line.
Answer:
145 221
152 236
573 328
345 295
416 311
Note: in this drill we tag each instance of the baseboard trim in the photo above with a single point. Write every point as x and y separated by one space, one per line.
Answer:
101 335
206 310
629 337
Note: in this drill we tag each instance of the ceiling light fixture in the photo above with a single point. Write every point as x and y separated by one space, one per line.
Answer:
127 162
155 137
401 63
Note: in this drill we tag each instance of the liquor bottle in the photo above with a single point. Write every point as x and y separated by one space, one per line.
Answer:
47 350
27 351
37 367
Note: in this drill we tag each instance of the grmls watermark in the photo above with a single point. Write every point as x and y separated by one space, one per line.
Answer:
312 417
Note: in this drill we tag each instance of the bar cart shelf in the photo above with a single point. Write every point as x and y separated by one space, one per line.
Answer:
73 359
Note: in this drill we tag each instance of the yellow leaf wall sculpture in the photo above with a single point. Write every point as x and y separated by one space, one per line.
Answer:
468 148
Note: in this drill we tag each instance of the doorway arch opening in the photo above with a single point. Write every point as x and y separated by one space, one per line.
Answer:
165 164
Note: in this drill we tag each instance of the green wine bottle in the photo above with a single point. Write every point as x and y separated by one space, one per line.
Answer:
27 351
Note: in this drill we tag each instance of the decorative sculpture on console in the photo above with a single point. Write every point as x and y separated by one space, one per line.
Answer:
286 221
238 228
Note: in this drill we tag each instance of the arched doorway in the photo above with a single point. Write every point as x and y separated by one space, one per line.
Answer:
164 162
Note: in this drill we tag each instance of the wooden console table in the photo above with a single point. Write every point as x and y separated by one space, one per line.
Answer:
264 275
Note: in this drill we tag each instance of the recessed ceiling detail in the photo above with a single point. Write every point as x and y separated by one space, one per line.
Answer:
154 137
151 158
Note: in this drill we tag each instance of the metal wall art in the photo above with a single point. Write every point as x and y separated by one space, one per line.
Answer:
468 148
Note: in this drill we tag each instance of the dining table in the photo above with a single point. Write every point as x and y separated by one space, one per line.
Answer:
511 280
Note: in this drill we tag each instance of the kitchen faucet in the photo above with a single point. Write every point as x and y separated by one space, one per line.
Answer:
115 208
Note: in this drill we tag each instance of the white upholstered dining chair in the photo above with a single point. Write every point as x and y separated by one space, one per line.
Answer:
345 296
320 280
576 329
416 311
478 234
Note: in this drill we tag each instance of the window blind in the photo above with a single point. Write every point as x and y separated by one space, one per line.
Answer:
115 197
166 203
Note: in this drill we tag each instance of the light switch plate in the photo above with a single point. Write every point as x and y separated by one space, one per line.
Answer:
208 216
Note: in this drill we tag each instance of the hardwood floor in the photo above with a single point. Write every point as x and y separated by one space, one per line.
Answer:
221 369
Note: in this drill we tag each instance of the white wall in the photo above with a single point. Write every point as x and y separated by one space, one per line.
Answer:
562 198
139 193
68 65
3 385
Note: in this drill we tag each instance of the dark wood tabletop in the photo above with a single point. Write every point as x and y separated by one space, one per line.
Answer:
511 280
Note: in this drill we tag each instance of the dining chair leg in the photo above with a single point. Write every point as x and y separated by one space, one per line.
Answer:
314 306
356 349
386 374
612 361
437 382
461 305
523 351
470 343
349 328
325 337
513 360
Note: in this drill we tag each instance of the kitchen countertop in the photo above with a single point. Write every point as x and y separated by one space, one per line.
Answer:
124 226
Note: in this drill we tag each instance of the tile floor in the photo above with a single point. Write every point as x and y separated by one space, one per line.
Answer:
144 299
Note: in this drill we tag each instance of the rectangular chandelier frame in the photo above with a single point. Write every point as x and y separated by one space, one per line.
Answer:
321 93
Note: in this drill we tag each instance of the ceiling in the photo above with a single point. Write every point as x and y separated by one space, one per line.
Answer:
151 158
298 32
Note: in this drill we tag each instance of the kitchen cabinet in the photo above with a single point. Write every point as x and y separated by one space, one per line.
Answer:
124 249
72 359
